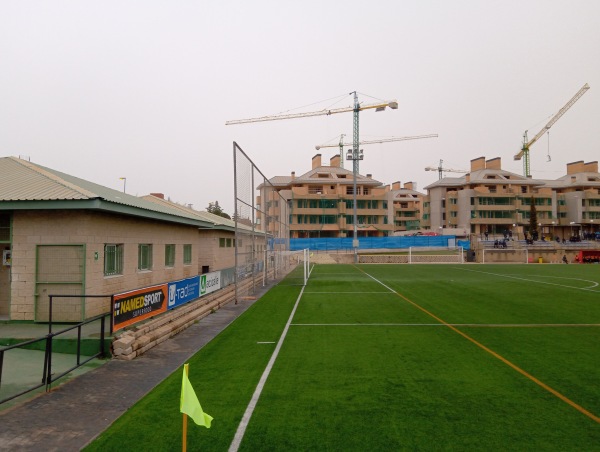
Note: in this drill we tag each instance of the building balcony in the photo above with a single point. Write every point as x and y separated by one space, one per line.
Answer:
506 221
484 206
314 227
316 211
407 209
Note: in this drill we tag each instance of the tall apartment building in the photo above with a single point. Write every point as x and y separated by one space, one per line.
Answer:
490 199
320 203
407 205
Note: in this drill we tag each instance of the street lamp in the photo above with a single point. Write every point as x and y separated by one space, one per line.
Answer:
124 179
572 223
515 231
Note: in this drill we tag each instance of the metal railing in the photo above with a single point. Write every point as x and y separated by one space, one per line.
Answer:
47 342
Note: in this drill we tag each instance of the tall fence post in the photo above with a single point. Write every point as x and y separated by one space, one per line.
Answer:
48 362
102 351
50 314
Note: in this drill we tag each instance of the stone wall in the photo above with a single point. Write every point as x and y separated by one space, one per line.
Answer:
138 339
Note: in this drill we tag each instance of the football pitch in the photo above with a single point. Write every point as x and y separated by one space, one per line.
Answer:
395 357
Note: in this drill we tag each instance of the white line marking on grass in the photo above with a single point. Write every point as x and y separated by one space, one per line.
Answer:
590 288
377 281
272 342
241 430
347 292
320 273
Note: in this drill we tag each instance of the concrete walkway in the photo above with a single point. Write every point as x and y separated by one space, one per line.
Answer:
72 415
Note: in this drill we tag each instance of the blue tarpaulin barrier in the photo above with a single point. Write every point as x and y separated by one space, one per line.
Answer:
466 245
366 243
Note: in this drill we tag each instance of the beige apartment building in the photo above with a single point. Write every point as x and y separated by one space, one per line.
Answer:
320 203
407 207
63 235
490 199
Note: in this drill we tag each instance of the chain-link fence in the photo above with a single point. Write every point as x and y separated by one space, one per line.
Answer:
262 233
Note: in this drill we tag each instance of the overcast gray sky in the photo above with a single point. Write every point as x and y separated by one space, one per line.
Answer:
142 89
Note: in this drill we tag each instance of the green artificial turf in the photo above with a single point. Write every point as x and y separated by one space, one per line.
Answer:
397 357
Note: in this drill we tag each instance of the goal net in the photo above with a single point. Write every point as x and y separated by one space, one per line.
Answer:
505 256
436 255
293 267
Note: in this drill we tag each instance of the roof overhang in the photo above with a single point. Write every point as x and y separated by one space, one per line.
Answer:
99 205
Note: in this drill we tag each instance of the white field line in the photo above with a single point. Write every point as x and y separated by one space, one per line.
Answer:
591 288
337 273
241 430
325 275
349 292
470 325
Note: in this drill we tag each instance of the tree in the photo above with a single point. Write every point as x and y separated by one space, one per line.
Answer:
215 208
533 221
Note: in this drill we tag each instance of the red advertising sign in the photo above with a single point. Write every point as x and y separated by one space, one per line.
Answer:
137 305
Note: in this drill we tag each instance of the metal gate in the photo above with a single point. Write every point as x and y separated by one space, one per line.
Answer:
60 270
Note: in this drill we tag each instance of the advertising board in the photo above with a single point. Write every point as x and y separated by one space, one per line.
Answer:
137 305
183 291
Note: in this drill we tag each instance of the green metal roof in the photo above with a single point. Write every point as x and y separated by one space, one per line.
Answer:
25 185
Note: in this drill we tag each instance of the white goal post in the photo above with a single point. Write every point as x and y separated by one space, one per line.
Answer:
293 264
442 255
306 267
505 256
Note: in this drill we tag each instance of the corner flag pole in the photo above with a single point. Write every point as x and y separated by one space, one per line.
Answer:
190 406
184 443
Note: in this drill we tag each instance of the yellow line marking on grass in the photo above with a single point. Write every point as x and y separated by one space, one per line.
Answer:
590 288
468 325
526 374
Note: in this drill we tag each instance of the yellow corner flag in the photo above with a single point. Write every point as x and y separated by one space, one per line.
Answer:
189 402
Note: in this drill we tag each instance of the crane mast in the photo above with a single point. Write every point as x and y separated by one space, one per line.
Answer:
341 145
355 159
524 153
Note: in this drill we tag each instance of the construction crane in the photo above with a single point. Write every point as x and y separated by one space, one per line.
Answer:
440 169
524 153
341 144
355 156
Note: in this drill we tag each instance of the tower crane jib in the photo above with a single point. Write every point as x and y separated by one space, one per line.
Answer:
382 140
